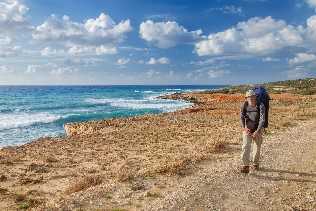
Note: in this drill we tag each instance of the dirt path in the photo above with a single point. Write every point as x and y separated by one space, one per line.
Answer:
286 181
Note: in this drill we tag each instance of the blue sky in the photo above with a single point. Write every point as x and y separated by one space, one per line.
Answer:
156 42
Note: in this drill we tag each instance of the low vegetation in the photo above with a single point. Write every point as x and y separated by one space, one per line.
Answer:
128 150
305 86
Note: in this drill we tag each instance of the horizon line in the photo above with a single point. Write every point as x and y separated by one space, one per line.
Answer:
114 85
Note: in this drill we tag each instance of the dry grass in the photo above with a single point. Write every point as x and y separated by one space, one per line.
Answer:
25 202
121 150
83 184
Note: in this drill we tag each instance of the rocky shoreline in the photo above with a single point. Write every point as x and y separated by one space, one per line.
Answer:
126 162
104 126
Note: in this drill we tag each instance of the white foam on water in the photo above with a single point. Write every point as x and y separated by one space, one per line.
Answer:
109 100
151 102
16 120
197 90
155 97
173 89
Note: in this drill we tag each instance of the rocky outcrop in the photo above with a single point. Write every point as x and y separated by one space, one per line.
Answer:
89 128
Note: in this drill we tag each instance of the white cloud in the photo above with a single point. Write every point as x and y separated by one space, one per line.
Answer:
5 40
167 34
79 50
82 61
217 73
99 36
311 3
9 50
255 36
227 9
63 70
270 59
259 36
133 48
161 60
102 50
5 69
302 58
122 61
101 30
13 25
32 69
310 32
12 15
48 51
54 68
7 47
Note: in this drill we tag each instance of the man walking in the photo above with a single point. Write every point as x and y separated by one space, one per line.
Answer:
252 117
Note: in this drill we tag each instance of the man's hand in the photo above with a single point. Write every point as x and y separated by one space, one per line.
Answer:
247 131
255 134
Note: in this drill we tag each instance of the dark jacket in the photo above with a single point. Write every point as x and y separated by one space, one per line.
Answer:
252 117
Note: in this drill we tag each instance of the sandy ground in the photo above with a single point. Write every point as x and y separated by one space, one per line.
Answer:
286 180
188 159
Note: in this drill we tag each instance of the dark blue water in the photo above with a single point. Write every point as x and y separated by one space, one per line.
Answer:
30 112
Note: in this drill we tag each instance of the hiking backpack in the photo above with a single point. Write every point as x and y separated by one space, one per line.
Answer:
263 97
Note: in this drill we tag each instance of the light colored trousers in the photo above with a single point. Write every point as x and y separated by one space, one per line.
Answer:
246 148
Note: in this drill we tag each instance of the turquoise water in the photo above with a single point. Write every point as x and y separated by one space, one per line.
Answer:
30 112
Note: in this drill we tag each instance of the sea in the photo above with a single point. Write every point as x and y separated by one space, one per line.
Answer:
31 112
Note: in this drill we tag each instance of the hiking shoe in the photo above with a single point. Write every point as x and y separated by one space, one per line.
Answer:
245 169
256 166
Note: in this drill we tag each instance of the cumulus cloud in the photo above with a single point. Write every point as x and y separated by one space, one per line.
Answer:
97 31
7 47
12 15
12 19
302 58
122 61
167 34
99 35
255 36
310 32
161 60
311 3
259 36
